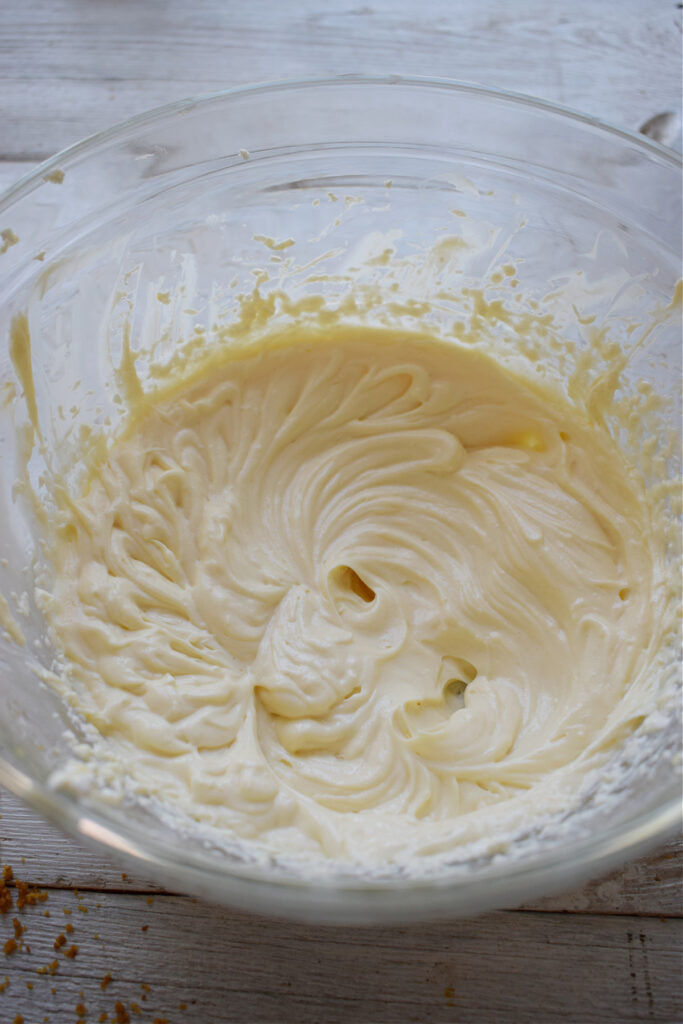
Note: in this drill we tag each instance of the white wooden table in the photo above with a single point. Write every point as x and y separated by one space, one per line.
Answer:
610 952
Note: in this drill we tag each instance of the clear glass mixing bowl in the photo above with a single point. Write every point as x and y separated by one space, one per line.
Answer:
177 199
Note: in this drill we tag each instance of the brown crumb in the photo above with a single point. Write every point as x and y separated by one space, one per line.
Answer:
83 910
29 895
81 1010
103 1018
10 946
53 968
69 928
149 901
18 928
182 1006
5 894
46 913
144 928
53 991
124 876
29 985
96 935
41 970
145 988
143 997
18 1019
135 1008
71 952
159 1020
59 941
4 984
65 910
27 948
122 1015
106 980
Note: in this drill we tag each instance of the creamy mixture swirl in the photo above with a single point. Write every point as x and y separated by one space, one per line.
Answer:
350 593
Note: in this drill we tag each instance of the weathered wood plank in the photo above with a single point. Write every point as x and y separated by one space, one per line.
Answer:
652 886
226 966
68 69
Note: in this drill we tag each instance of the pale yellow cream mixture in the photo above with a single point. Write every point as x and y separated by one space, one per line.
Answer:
357 592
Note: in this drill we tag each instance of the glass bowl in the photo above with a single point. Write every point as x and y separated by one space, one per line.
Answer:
193 200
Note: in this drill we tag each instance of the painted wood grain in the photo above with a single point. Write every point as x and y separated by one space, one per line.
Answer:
72 67
224 966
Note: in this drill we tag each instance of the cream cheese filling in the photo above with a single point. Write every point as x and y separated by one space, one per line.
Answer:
352 592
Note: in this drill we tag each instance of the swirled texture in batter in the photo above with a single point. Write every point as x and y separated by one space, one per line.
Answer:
348 593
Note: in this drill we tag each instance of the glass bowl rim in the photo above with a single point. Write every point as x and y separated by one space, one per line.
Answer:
100 139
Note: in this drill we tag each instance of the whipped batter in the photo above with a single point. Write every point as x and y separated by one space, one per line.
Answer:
351 593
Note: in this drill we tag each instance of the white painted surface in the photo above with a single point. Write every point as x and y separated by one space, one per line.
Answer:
506 968
72 67
610 952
